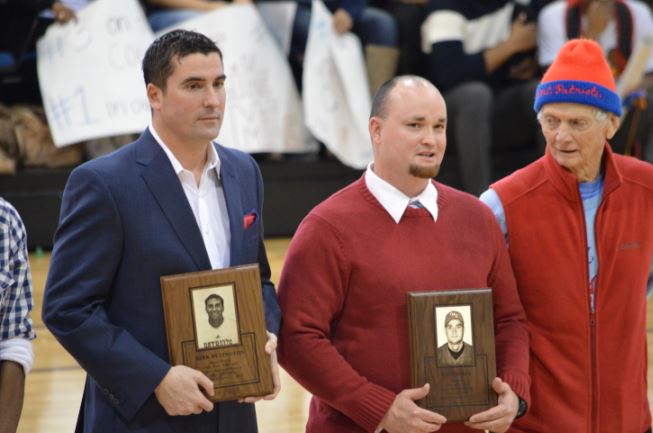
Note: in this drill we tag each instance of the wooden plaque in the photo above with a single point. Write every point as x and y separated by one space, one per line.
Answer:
460 379
215 323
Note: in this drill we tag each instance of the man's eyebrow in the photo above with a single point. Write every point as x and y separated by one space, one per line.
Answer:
417 118
420 118
202 79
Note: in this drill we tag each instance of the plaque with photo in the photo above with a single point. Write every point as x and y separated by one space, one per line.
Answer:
215 323
451 336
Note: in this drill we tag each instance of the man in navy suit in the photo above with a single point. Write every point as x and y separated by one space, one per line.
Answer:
171 202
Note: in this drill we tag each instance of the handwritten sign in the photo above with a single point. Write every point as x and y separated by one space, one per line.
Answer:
263 111
336 93
90 72
279 16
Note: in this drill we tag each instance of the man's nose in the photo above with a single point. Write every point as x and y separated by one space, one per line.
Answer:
212 98
429 137
563 132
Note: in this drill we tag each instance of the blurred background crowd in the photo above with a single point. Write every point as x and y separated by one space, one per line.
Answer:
486 56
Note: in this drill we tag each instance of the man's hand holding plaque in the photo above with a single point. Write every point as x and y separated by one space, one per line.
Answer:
405 415
270 349
181 392
498 418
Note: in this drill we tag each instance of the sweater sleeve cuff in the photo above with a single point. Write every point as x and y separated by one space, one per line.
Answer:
372 407
519 383
18 350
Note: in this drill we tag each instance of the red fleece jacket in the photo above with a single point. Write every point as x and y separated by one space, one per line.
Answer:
588 369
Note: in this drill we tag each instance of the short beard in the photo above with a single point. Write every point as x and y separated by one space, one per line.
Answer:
423 172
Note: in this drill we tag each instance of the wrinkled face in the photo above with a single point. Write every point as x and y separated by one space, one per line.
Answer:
214 308
576 137
455 330
191 108
409 142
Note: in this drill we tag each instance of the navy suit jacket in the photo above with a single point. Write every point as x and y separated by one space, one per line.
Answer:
124 222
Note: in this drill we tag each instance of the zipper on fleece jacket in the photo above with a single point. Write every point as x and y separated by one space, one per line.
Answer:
592 295
594 287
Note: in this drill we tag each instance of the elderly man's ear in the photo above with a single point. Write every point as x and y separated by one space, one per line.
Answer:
613 126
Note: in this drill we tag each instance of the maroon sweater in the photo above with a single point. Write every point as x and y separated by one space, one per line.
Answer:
343 296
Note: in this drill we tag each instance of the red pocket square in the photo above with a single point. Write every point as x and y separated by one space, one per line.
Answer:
248 220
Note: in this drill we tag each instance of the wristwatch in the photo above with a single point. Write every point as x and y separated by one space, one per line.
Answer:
523 407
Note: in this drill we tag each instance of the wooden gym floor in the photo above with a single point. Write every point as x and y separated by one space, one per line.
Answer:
55 385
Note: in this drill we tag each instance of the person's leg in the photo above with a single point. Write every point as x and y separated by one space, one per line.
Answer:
634 136
514 122
376 27
648 149
298 41
645 129
409 18
378 33
165 18
469 108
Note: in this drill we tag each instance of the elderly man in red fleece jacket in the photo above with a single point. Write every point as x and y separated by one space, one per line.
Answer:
578 224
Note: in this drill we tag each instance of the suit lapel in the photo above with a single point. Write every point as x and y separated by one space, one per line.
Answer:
164 184
232 196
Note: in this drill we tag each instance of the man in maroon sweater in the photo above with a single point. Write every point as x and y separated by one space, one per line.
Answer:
354 257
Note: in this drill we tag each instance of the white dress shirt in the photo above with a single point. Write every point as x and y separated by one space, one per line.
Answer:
395 201
207 203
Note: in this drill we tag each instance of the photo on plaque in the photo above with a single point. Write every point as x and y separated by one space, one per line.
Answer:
454 339
214 317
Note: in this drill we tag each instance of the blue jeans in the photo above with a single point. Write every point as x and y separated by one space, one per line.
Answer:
374 27
165 18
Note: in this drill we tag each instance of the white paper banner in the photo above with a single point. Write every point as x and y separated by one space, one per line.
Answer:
90 72
279 16
263 110
335 90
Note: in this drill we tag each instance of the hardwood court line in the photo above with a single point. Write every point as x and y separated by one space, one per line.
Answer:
53 369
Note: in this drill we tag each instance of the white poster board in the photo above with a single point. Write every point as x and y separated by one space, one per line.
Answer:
335 90
90 72
263 110
279 16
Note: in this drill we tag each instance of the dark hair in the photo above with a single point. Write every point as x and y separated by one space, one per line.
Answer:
213 296
380 101
158 60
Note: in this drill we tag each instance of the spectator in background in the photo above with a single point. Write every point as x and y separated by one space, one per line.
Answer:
375 28
19 19
21 24
481 54
165 13
16 333
618 26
